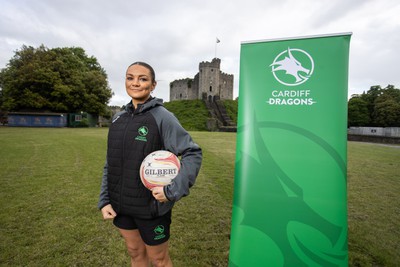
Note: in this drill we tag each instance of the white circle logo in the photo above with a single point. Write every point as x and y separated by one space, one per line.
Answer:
292 67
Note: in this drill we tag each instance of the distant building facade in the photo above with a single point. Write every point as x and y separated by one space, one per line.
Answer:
210 83
375 131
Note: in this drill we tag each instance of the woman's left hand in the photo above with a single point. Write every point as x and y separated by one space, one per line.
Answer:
158 194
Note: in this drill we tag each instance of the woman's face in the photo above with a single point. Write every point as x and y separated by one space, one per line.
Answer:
138 83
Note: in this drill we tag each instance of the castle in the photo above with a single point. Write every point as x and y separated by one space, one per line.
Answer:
209 84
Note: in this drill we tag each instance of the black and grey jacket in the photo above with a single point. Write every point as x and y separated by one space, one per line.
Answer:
133 134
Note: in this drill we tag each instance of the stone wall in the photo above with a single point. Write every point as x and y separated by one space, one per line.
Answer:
182 90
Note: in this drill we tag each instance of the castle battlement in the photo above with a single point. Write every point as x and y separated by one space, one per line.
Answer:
182 80
215 63
226 74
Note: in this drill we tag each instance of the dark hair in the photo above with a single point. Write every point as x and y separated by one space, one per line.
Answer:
147 66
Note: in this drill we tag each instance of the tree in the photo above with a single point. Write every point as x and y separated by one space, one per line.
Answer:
57 80
373 93
386 111
358 114
378 107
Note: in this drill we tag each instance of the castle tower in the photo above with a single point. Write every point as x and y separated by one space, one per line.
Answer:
209 74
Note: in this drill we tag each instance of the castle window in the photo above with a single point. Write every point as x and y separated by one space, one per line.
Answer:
180 95
212 69
210 88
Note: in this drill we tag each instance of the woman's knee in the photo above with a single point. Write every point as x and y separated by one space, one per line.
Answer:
134 244
161 261
159 255
136 252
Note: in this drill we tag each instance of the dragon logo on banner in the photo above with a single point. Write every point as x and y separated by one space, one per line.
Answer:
292 67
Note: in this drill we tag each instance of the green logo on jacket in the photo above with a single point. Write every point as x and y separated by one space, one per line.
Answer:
143 131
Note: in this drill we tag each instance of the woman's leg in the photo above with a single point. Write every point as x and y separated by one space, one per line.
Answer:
159 255
136 248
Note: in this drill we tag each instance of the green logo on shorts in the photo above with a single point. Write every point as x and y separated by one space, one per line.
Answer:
159 231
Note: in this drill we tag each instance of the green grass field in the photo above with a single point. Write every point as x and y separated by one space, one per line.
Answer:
50 180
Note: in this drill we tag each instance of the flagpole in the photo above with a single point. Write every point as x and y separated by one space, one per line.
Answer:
216 42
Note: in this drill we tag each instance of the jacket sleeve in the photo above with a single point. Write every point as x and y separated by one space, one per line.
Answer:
103 198
178 141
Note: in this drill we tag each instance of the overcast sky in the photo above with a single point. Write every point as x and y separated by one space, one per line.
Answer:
174 36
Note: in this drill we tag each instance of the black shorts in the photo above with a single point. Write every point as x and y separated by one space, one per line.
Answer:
153 231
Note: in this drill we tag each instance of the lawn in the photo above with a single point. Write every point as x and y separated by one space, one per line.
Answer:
374 204
51 178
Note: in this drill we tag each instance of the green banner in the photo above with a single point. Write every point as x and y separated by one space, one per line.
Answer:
290 202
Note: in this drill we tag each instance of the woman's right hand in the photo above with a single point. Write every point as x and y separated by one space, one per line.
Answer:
108 212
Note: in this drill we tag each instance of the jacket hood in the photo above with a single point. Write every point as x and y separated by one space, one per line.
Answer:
152 102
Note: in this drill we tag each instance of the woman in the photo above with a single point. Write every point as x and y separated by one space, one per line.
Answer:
143 217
